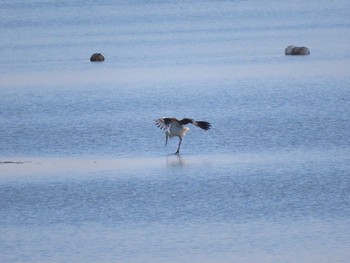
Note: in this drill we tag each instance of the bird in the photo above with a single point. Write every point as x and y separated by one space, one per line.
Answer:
174 127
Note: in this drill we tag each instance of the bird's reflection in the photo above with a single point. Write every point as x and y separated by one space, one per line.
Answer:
175 160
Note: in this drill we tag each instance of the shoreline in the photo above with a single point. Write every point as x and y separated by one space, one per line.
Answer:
53 165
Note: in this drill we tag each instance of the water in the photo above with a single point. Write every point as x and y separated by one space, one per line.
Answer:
85 175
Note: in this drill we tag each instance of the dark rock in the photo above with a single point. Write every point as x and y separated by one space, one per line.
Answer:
97 57
293 50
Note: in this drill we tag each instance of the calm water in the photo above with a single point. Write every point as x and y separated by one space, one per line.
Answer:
85 175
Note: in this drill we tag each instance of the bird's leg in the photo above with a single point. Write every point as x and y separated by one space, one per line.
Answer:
166 138
178 147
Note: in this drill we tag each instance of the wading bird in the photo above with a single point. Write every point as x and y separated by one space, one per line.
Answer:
174 127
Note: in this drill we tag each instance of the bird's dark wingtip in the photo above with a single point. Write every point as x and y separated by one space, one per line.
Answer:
203 125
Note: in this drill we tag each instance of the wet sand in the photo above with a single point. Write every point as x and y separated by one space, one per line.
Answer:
21 166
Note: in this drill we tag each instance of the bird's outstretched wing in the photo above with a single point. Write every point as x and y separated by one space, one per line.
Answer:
204 125
201 124
164 123
186 121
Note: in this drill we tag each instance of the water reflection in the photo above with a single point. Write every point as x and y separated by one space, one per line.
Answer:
174 160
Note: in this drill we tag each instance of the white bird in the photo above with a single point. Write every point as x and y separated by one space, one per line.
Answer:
174 127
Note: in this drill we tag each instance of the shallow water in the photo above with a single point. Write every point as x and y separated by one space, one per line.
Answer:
86 177
290 206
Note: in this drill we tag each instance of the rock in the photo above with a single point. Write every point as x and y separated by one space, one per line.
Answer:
97 57
293 50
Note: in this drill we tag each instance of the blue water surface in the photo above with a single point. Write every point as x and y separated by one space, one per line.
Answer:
85 175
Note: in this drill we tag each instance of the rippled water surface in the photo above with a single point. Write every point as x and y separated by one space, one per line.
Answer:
84 172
